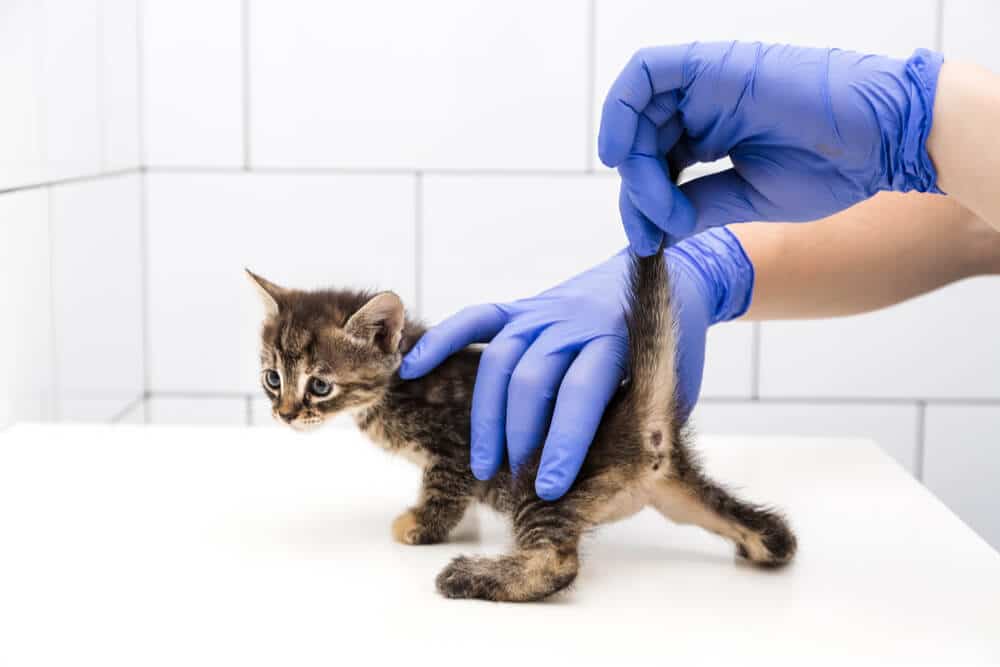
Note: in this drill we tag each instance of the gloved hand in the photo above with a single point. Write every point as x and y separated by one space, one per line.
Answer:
563 353
810 132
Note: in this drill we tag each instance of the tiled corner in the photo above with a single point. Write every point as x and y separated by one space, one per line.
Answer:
440 84
25 297
196 410
969 31
894 427
299 230
192 82
134 414
119 83
935 346
97 296
962 463
624 26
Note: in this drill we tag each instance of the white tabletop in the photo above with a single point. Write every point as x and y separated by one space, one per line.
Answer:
224 546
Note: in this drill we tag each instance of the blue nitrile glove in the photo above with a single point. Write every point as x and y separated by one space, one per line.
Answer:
810 132
563 353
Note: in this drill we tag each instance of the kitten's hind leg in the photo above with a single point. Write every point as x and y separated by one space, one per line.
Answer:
445 494
761 535
545 559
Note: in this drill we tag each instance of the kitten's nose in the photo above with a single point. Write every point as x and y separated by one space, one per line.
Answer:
287 416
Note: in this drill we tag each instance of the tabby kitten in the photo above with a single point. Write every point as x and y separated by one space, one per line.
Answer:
324 352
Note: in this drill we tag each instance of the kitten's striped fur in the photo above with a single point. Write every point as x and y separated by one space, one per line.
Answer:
640 456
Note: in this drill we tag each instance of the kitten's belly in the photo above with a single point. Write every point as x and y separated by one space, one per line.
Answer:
633 495
623 504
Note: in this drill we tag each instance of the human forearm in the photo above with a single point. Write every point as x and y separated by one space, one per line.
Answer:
964 143
877 253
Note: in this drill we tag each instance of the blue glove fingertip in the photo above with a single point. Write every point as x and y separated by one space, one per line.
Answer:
410 367
643 236
550 486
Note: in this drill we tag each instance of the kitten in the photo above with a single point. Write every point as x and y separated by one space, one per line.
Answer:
330 351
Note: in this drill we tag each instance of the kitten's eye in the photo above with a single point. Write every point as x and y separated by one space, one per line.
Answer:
272 379
319 387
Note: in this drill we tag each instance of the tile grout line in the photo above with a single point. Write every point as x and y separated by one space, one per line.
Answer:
140 128
140 82
591 83
715 400
144 287
382 171
102 111
918 463
85 178
848 400
755 362
245 48
53 346
200 394
418 243
131 405
939 26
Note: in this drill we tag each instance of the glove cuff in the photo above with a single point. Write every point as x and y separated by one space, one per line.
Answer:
915 171
718 256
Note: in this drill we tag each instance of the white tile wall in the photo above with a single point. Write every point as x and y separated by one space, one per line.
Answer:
20 76
498 101
192 83
894 427
68 71
895 27
299 230
97 297
205 411
962 463
71 142
260 412
500 238
430 84
969 31
119 83
941 345
24 250
729 361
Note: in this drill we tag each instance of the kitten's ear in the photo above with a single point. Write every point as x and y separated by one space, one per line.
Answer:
269 293
380 321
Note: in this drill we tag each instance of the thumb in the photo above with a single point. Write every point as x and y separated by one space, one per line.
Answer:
723 198
647 186
475 324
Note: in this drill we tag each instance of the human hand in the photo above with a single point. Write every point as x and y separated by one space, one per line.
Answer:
810 132
562 354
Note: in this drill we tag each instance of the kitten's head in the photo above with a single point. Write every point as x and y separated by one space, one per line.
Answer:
326 351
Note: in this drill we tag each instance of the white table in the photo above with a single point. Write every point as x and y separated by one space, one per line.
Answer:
224 546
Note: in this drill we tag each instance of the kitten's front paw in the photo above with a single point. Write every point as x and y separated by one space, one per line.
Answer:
406 529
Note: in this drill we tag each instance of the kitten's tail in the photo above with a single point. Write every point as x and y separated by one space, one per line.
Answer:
652 350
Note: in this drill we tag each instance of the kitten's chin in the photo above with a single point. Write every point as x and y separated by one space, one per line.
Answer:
305 425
